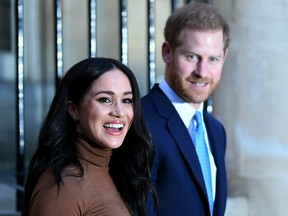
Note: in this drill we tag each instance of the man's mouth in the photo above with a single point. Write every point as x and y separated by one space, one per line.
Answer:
200 84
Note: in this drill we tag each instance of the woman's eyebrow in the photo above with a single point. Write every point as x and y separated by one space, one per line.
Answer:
112 93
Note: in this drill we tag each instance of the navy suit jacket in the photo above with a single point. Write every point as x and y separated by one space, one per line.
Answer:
176 170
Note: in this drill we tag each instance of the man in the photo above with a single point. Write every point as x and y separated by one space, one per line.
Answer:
194 51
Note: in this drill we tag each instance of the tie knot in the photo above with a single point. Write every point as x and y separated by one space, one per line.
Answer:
198 118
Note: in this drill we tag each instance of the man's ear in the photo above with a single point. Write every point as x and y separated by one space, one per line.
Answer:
72 110
225 54
166 52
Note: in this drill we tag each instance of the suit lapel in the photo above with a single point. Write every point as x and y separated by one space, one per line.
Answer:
179 132
218 154
212 134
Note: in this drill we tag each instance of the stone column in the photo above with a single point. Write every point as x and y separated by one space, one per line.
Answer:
252 101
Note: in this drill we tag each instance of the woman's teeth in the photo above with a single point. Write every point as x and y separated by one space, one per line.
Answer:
114 125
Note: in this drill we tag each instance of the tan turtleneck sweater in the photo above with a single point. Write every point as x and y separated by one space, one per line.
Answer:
92 194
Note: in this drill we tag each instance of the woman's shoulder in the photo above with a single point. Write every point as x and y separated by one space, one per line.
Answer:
49 198
71 182
90 194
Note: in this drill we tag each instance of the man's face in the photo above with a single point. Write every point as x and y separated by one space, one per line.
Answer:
194 68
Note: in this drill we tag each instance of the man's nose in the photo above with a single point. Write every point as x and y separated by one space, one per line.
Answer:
202 68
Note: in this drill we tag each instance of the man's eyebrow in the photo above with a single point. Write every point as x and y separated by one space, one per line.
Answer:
199 55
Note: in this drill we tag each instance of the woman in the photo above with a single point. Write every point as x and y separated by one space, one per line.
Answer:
95 120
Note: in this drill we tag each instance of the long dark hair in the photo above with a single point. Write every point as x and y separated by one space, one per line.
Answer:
129 165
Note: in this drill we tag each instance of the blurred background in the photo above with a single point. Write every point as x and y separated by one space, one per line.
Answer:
40 40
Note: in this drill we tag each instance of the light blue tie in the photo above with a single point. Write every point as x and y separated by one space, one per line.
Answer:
202 152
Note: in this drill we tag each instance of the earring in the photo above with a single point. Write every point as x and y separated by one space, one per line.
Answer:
74 118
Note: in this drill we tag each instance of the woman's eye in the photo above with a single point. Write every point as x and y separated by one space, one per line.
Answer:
104 100
128 101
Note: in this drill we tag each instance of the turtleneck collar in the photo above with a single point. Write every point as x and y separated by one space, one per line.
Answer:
93 153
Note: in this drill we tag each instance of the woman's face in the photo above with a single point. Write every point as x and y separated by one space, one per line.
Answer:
106 111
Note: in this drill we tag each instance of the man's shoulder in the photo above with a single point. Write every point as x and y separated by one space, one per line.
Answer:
210 117
155 93
212 122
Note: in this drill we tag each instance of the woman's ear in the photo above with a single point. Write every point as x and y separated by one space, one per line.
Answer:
72 110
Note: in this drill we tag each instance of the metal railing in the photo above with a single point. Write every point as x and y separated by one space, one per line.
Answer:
20 73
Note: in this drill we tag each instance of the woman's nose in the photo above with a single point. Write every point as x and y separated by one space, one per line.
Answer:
118 110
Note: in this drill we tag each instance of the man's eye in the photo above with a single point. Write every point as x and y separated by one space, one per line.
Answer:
213 59
192 57
104 100
128 101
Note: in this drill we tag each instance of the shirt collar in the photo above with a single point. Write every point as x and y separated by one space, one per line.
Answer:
185 111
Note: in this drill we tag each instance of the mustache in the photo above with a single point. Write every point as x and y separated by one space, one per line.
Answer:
197 78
